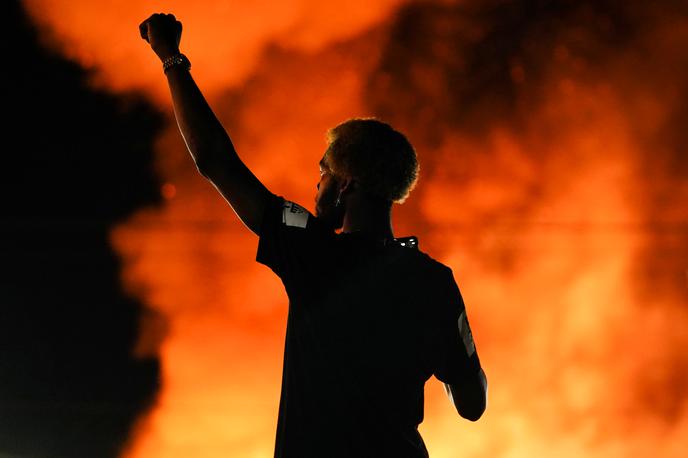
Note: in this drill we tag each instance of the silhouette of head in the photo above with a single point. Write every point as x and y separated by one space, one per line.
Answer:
368 157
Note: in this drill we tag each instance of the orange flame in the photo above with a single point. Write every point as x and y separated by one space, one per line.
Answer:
545 225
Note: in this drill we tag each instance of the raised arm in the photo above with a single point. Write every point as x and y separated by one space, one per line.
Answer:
206 139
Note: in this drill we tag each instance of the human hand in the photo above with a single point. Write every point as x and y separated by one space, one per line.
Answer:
163 32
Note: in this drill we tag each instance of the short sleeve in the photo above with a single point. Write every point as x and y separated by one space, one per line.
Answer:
456 353
290 238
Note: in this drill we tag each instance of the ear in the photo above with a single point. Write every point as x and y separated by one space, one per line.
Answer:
346 184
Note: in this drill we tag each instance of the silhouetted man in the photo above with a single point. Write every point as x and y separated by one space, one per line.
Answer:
371 317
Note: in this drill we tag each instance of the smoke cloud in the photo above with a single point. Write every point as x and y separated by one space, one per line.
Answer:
224 39
553 181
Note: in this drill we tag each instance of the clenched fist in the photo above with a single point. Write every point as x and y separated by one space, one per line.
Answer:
163 32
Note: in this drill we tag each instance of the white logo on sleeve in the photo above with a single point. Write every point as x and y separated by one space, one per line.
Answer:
294 215
466 334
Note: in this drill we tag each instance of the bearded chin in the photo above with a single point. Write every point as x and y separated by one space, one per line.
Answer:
333 218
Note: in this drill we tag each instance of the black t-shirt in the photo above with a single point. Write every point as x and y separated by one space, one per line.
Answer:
369 322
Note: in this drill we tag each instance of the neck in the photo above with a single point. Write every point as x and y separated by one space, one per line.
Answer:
371 217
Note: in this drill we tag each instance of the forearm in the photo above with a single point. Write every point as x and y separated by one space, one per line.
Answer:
204 135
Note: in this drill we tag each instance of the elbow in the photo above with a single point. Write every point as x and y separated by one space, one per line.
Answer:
211 164
204 171
470 398
205 167
212 157
472 408
472 413
209 169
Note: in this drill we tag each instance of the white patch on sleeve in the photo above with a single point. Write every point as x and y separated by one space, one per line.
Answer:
294 215
466 335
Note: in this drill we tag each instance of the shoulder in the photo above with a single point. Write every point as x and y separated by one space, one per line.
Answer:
430 265
289 236
428 273
292 216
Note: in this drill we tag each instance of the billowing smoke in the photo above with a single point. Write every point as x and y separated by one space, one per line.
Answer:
554 180
224 39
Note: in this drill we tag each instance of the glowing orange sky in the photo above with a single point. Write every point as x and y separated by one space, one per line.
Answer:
223 38
560 332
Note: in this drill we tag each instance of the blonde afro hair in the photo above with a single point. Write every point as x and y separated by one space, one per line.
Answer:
378 157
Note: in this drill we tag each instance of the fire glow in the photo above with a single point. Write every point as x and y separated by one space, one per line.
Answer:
563 213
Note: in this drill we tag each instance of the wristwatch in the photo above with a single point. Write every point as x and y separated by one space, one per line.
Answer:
177 59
